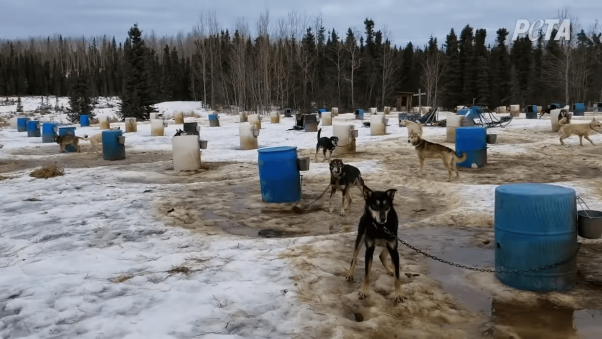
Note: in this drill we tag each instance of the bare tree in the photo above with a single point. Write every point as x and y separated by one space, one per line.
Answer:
355 57
199 32
388 67
335 54
433 65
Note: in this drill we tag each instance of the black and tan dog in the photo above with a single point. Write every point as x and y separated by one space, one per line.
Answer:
430 150
327 144
64 140
377 227
343 177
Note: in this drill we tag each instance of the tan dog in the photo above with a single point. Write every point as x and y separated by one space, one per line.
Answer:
582 130
95 141
413 127
430 150
65 140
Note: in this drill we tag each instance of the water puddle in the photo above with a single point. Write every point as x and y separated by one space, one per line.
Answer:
465 246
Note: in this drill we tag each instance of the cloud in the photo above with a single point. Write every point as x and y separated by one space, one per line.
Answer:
411 20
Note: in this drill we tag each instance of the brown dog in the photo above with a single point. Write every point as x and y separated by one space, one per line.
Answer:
430 150
65 140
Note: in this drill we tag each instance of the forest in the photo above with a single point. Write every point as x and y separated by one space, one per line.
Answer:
297 62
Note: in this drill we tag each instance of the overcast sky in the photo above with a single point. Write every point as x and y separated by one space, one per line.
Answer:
408 20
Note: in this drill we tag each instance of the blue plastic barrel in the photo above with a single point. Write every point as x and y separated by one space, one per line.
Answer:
578 109
212 117
112 149
68 131
22 124
48 132
33 129
531 112
536 226
278 174
472 141
359 114
84 120
321 110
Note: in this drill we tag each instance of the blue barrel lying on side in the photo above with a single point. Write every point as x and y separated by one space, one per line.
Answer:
68 131
578 109
33 129
22 124
48 132
536 226
113 145
472 141
279 175
359 114
84 120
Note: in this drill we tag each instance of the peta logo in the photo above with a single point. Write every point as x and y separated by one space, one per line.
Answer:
534 29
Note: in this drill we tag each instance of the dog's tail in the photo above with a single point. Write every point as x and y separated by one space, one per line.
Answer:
462 158
319 132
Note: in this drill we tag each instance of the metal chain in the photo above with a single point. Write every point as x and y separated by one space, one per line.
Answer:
477 268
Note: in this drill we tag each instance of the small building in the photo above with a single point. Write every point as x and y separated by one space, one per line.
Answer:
404 101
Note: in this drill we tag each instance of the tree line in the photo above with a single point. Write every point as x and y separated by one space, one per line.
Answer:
295 62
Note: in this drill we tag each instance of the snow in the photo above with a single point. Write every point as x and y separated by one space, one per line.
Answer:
131 249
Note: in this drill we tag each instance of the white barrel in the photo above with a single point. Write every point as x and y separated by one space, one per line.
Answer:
378 126
554 119
346 135
515 110
327 119
502 109
334 111
458 108
243 116
387 110
179 118
13 123
157 128
130 125
104 122
373 110
425 109
415 109
248 133
152 116
186 153
274 118
453 122
255 119
539 109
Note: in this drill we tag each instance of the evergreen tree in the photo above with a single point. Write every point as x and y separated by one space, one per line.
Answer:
136 100
452 95
80 101
468 64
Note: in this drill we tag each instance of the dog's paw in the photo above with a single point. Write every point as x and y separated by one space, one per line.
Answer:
342 213
391 273
398 298
349 277
362 294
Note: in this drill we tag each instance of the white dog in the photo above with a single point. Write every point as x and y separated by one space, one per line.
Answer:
95 141
413 127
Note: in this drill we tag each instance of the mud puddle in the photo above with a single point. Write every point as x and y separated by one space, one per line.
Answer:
473 247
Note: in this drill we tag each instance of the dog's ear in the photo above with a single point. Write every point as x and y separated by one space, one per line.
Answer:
367 192
391 193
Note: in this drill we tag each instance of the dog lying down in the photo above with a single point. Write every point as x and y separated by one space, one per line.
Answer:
582 130
430 150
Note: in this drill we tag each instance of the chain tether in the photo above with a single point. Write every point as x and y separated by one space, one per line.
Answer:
477 268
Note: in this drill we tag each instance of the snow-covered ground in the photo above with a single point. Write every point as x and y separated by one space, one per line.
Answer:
131 249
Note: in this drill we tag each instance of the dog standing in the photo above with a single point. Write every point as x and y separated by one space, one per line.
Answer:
430 150
343 177
327 144
377 227
94 140
582 130
413 127
64 140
